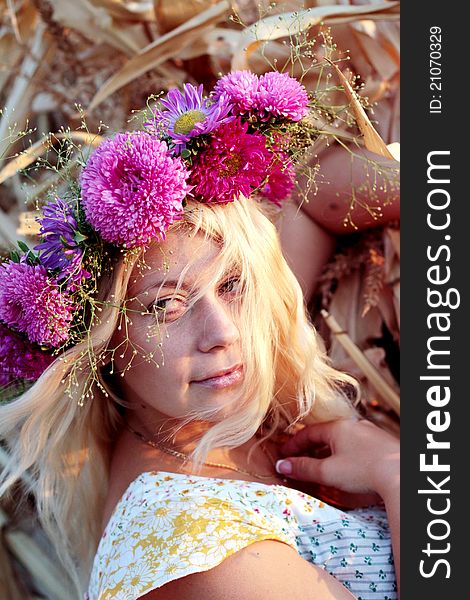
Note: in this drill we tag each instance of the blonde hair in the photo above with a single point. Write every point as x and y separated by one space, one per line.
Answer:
64 447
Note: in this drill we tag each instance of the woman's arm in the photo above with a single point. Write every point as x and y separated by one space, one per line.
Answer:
306 246
267 569
342 174
363 459
308 232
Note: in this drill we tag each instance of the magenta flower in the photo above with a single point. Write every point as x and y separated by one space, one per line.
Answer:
32 303
235 162
19 359
133 190
281 178
280 95
241 87
188 115
59 249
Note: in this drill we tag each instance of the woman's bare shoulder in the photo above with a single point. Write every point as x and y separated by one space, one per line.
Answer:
267 569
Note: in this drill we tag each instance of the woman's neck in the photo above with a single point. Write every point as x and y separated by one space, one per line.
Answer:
169 445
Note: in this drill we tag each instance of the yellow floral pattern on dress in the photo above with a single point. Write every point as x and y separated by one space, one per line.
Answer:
167 526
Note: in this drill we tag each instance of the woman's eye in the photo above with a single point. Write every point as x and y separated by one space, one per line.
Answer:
231 286
168 309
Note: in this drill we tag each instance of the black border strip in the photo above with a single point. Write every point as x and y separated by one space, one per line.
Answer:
424 131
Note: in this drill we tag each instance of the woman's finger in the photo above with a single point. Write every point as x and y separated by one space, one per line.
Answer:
303 468
306 438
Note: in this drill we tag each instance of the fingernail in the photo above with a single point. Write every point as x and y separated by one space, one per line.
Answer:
284 467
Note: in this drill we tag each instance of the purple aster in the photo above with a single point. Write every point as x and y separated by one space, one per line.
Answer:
133 189
32 303
235 162
19 359
188 115
280 95
281 179
59 250
241 87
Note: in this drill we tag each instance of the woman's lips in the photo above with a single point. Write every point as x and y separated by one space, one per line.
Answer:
226 380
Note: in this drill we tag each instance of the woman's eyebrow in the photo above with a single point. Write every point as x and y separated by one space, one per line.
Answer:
165 283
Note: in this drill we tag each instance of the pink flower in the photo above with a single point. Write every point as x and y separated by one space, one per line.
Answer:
280 95
241 88
133 190
32 303
235 162
19 359
281 178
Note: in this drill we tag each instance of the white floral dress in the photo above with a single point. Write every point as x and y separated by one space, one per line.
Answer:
169 525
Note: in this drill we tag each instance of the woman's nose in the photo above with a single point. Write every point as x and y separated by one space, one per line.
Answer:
218 329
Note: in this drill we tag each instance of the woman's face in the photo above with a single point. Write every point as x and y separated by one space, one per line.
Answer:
196 344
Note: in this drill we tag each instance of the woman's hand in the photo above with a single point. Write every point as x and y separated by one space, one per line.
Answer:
358 457
361 458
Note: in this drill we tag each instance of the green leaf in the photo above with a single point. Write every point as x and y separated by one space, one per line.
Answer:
14 256
79 237
22 246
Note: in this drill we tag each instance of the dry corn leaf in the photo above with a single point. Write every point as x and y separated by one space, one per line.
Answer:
29 225
392 279
377 357
396 301
386 391
394 127
48 576
346 306
294 23
393 236
128 11
167 45
95 23
18 101
390 35
372 139
8 231
374 89
36 150
217 42
387 308
26 18
173 13
383 63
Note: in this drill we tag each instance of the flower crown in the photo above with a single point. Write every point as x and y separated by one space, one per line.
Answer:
243 139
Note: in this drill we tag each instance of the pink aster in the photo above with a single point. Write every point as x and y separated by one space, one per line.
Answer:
280 95
19 359
281 179
133 189
234 163
32 303
241 88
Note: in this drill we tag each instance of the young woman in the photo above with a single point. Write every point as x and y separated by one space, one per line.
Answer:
152 442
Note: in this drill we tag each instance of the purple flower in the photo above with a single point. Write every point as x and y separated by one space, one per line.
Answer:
241 87
132 189
281 178
59 250
280 95
235 162
32 303
19 359
188 115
